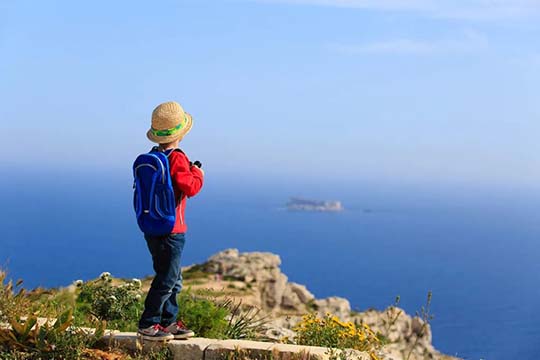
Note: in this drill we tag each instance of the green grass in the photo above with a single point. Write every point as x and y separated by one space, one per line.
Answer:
195 272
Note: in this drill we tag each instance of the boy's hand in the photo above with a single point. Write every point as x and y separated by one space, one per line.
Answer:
198 164
201 170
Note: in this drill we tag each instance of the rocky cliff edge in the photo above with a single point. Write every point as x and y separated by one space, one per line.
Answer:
259 282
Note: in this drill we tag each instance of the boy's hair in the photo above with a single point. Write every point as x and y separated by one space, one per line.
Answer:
164 145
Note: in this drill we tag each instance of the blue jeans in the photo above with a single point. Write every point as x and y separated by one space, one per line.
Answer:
160 306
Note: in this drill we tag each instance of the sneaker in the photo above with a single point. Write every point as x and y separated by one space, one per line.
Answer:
155 333
179 330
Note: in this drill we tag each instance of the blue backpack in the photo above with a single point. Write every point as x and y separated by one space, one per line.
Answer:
153 195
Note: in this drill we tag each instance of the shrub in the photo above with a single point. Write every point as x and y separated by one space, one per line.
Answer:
119 305
216 318
13 299
331 332
202 315
244 322
28 339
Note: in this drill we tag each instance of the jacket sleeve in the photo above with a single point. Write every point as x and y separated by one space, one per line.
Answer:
189 179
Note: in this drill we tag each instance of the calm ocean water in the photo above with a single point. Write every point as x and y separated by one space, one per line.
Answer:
478 251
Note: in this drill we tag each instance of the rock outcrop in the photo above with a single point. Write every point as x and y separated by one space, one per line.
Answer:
405 334
286 302
263 270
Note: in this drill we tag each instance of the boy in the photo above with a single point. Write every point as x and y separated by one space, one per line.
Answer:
158 322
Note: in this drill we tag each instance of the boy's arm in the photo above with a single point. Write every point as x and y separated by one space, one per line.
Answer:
189 179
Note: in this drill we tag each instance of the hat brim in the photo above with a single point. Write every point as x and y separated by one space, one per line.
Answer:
170 138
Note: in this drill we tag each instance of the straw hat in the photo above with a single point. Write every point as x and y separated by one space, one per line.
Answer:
169 123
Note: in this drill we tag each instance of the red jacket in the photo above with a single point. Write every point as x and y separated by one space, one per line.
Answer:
187 182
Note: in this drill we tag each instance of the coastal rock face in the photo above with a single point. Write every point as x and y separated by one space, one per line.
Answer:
404 333
334 305
248 267
262 269
296 296
286 302
304 295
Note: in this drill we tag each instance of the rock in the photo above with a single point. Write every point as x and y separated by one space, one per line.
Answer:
273 290
213 349
304 295
255 266
403 332
263 270
253 350
334 305
278 333
419 329
285 322
286 301
290 300
295 297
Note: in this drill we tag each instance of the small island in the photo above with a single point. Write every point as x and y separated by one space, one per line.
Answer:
298 204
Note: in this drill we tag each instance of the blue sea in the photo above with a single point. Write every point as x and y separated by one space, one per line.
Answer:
476 248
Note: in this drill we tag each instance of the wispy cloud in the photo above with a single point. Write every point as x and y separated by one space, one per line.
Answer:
468 42
459 9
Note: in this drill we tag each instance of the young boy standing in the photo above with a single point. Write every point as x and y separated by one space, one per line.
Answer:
170 123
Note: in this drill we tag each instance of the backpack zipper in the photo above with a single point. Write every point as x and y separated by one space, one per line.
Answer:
157 207
152 166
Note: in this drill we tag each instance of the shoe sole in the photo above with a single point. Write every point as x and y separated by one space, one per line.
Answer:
155 338
184 336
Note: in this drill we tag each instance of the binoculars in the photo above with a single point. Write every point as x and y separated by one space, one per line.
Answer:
196 163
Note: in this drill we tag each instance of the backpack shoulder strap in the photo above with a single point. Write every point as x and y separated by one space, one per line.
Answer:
170 151
167 152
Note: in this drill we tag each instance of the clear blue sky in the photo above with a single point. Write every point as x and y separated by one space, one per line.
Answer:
422 90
